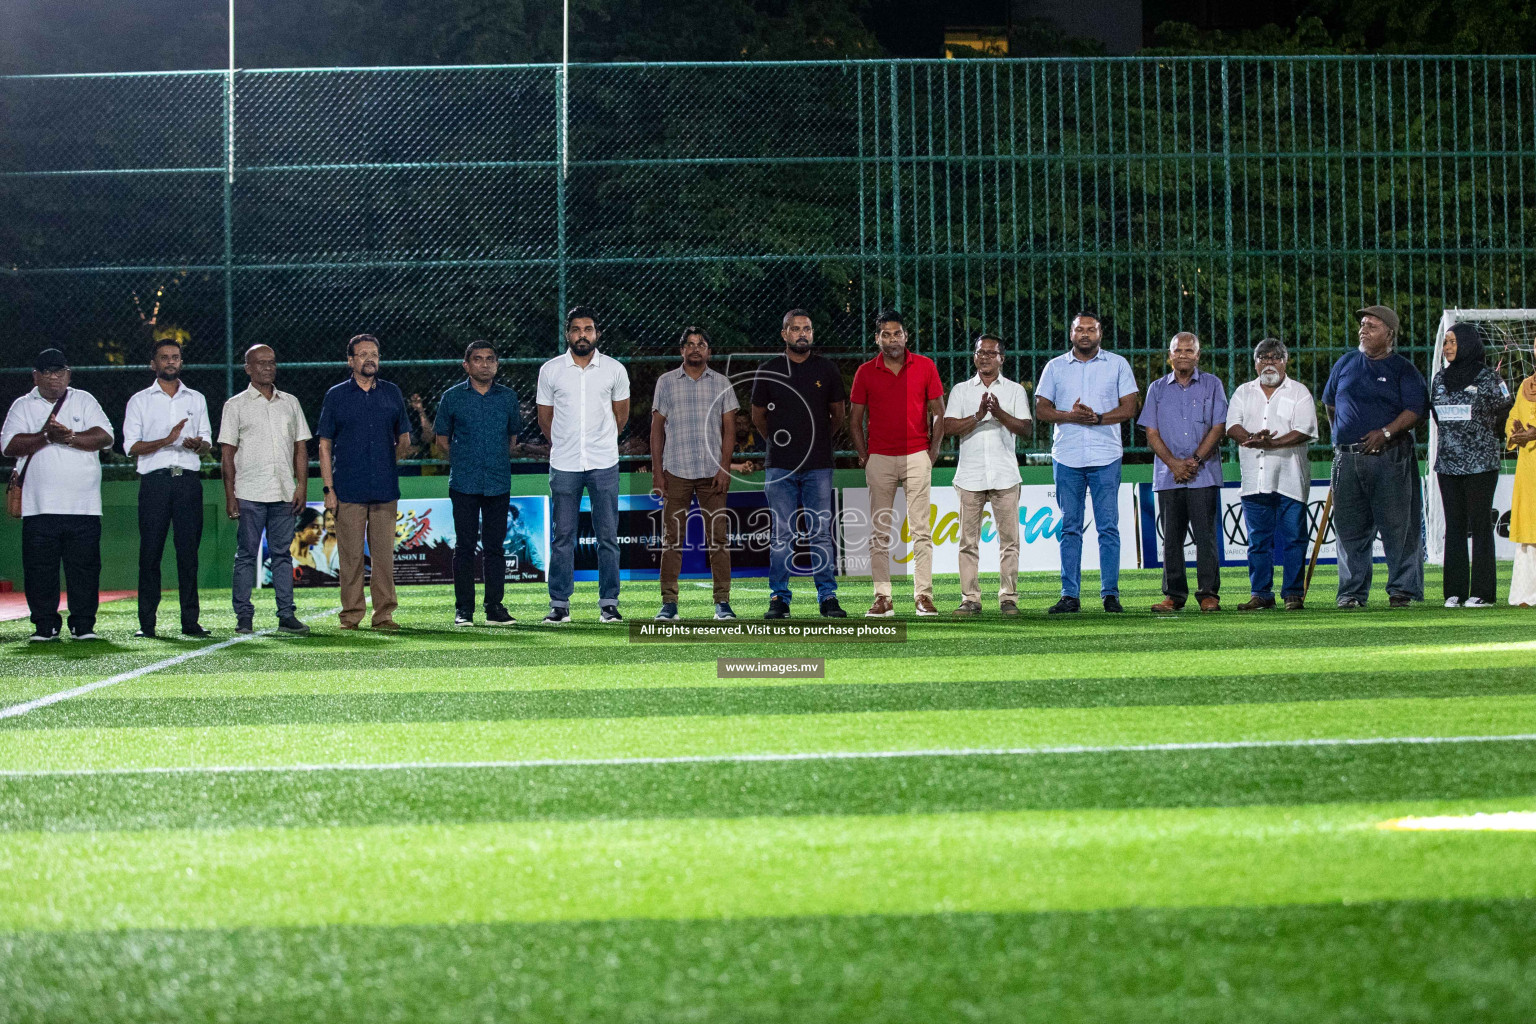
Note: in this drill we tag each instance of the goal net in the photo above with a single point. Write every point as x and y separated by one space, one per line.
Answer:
1508 336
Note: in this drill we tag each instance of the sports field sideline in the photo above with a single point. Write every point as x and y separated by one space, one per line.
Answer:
1085 818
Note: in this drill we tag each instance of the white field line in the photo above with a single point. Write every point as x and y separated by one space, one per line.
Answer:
16 710
831 755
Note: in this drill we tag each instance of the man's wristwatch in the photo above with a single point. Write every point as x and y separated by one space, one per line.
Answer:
325 490
1386 434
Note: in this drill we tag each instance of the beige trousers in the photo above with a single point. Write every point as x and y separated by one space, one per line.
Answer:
1005 516
378 521
911 473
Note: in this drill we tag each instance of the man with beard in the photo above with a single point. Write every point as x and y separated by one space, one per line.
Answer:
1273 419
60 431
583 396
266 481
798 403
364 431
166 429
693 431
477 424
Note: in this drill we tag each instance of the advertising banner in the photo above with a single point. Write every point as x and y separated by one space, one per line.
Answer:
1040 520
640 537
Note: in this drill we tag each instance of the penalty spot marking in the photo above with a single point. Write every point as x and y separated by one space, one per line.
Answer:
830 755
17 710
1502 821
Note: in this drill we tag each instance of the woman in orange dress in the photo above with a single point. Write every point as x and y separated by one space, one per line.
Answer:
1520 429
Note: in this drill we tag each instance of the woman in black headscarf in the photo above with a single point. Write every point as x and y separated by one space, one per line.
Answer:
1469 401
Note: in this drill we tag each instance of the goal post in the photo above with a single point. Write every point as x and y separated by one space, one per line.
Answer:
1508 335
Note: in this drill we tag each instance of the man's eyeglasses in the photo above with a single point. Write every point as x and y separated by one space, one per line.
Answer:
983 353
61 371
1269 359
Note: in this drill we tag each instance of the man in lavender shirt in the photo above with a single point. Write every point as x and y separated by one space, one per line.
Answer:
1185 419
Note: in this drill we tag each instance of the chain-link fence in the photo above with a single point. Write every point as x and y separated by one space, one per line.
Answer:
1235 197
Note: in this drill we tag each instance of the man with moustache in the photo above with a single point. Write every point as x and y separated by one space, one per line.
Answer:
1273 419
798 404
60 431
1087 393
364 431
583 397
166 431
693 432
1374 398
904 399
477 424
266 481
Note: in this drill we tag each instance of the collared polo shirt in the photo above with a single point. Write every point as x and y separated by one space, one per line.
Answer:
1367 394
1284 470
694 411
583 435
1182 414
363 428
479 430
63 481
263 432
897 402
1099 383
150 416
797 399
989 460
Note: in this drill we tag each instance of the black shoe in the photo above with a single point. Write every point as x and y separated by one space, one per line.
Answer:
291 624
83 634
778 608
43 636
244 627
556 617
1399 601
1112 604
609 614
497 615
144 633
830 609
463 619
668 611
1065 605
195 631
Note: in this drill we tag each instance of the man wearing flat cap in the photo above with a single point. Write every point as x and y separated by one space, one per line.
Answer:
1374 398
56 432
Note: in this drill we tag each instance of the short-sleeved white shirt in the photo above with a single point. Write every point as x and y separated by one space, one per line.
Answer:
263 431
1285 470
62 480
584 434
988 459
150 416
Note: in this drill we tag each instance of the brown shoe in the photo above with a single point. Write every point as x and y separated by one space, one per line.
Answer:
1009 608
881 609
1256 603
1294 604
387 626
925 608
966 608
1210 604
349 625
1167 606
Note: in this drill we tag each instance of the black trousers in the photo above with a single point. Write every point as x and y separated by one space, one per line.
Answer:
479 519
169 502
1190 510
1468 502
75 541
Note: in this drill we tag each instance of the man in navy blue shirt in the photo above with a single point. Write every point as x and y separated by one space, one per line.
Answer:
1374 397
477 425
363 432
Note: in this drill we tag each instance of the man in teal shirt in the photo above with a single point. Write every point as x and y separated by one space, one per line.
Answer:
477 425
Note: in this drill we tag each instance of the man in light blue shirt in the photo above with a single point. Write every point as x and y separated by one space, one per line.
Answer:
1087 393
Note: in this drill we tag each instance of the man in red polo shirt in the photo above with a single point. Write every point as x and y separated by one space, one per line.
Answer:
904 398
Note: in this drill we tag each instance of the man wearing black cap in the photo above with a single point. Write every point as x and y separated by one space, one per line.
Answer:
59 430
1374 397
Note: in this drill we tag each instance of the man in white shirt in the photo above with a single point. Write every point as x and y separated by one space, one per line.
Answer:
166 429
266 479
1274 418
60 431
987 412
583 397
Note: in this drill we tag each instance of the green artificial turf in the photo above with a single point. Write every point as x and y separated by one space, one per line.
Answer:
208 841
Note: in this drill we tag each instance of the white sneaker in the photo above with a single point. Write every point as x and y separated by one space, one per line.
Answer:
1455 602
1477 602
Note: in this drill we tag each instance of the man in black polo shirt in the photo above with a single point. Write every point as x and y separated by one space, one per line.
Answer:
363 432
798 402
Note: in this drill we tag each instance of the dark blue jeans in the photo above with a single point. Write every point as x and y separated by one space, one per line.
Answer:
1378 494
1277 532
276 519
602 486
1072 489
802 500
